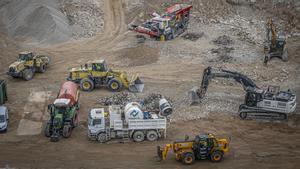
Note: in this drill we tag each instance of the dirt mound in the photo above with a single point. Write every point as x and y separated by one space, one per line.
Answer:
137 56
43 22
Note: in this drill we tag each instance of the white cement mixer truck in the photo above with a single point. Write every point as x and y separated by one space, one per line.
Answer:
131 123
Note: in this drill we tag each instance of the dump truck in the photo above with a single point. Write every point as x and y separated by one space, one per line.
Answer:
63 112
98 74
27 65
3 109
204 146
129 124
168 25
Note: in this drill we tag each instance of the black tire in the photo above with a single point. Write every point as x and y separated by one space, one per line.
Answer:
101 138
152 135
67 131
188 158
87 85
114 85
28 74
138 136
216 156
42 68
47 130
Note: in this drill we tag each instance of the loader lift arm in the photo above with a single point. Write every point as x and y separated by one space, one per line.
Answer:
210 73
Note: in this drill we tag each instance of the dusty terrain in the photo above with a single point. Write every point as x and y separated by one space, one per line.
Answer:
170 68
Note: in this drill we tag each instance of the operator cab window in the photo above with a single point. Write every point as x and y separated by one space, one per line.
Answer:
96 122
99 67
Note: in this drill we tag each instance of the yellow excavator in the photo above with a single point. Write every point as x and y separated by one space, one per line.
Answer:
204 146
275 44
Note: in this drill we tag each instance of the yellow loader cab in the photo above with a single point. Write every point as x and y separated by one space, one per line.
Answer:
27 65
204 146
97 74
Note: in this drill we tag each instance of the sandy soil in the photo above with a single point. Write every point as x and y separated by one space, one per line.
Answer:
171 68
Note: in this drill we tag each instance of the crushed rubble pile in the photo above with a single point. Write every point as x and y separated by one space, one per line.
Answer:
223 40
223 52
150 102
118 99
85 17
193 36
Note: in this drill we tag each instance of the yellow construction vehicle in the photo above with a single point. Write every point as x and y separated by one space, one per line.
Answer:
275 44
97 73
27 64
204 146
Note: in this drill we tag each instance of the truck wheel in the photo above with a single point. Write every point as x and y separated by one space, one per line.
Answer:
67 131
27 74
86 85
138 136
42 68
216 156
152 135
101 138
47 130
114 85
188 158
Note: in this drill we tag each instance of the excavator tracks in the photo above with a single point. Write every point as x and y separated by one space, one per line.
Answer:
247 113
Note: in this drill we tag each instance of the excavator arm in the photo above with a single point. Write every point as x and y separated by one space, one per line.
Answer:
196 94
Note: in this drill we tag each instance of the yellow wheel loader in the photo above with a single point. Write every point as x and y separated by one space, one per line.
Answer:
27 64
204 146
97 74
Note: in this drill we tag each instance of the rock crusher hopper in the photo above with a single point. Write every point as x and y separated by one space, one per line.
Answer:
270 103
63 112
204 146
97 74
167 26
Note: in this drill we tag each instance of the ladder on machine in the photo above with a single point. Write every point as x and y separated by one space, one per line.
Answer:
126 137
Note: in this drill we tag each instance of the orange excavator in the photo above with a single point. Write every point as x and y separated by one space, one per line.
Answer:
275 45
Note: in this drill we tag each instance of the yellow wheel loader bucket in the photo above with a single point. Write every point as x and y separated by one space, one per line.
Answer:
136 85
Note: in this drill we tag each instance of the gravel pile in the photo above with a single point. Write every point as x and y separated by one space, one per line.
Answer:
85 17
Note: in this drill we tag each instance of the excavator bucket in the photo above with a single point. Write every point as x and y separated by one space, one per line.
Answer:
136 85
194 96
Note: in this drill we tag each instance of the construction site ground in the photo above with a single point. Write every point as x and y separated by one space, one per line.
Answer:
171 68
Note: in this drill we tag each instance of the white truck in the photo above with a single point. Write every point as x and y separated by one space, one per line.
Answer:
132 123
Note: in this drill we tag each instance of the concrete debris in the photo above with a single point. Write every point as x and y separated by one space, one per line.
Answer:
193 36
150 102
223 40
118 99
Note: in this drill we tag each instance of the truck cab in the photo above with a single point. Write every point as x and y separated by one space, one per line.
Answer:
3 118
96 122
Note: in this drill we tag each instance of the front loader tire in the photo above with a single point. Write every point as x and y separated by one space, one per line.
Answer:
28 74
216 156
114 85
87 85
188 158
42 68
